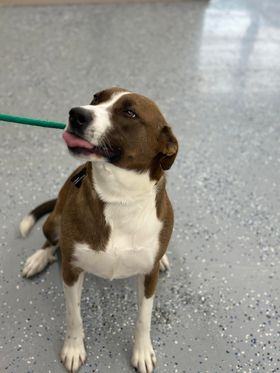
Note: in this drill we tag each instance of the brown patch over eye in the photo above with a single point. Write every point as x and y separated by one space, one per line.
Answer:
95 99
128 110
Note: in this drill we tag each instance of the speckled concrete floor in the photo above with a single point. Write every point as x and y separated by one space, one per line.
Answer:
214 69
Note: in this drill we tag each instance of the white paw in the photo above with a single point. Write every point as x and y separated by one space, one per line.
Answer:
164 263
143 356
38 261
73 353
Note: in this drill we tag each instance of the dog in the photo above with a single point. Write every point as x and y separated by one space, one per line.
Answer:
112 217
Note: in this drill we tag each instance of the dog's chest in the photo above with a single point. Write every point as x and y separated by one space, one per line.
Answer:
133 243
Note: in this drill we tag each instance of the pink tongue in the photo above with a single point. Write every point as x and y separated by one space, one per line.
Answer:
75 142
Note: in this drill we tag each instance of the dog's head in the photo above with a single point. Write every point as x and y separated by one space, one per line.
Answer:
123 128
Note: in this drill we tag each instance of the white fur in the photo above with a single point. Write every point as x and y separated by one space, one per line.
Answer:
102 117
143 355
26 225
130 211
73 353
38 261
164 263
118 185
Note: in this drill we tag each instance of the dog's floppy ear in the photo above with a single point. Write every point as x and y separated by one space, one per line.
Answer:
168 148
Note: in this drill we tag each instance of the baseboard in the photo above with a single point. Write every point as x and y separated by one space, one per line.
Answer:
80 2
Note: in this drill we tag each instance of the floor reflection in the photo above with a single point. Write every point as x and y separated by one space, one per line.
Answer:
240 47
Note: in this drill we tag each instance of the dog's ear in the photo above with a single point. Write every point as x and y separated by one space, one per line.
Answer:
168 148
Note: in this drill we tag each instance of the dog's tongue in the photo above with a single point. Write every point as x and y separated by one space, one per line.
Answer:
75 142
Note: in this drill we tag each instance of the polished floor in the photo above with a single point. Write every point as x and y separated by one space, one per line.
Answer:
213 68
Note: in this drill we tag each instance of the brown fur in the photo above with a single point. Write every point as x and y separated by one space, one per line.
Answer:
147 143
165 214
43 209
139 139
78 217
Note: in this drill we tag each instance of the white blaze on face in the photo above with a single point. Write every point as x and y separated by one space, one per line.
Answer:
102 116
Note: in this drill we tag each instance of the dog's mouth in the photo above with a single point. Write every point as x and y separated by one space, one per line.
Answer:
80 146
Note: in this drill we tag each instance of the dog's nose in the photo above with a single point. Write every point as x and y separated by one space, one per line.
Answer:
80 117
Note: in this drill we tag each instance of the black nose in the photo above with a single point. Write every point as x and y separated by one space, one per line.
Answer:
80 117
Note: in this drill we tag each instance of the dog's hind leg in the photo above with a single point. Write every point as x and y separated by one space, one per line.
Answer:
39 260
164 263
45 255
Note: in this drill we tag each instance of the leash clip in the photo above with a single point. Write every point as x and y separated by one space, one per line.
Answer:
78 178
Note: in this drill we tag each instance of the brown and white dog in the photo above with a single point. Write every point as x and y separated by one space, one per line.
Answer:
112 216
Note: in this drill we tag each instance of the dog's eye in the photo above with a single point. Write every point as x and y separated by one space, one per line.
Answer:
130 114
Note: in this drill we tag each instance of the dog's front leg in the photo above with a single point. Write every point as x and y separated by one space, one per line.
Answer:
143 356
73 353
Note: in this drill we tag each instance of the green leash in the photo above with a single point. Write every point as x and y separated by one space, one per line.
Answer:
31 121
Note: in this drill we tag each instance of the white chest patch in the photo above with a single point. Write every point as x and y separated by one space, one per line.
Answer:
133 243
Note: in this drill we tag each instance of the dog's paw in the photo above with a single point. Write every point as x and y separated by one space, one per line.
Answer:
73 353
143 356
164 263
37 262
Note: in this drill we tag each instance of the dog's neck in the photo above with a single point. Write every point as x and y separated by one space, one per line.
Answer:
117 185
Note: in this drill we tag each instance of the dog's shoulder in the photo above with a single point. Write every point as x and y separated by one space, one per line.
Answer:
78 185
82 210
78 193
